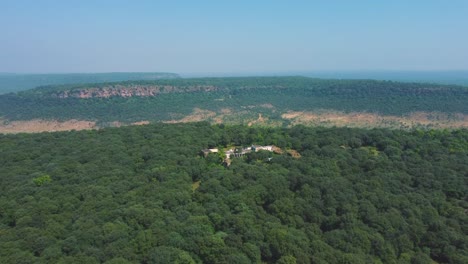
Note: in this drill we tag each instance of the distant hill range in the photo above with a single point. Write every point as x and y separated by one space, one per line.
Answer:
440 77
11 82
254 101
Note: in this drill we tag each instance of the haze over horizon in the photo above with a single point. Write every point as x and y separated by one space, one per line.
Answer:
242 37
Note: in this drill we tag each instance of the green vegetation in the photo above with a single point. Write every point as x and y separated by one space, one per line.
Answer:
146 195
41 180
245 96
440 77
19 82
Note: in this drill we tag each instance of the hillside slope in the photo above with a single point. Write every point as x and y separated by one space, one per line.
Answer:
277 101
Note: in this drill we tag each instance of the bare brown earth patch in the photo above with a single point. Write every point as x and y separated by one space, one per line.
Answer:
259 120
37 125
226 111
196 116
293 153
357 119
140 123
327 118
277 150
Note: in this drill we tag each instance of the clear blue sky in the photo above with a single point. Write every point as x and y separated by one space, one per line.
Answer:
232 36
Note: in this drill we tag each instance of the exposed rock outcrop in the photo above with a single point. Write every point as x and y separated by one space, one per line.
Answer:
129 91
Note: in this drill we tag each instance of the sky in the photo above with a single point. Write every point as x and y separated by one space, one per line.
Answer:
232 36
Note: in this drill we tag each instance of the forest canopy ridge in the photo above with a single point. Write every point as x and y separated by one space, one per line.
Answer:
269 101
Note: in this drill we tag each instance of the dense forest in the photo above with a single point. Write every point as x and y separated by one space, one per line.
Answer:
14 82
176 98
440 77
146 195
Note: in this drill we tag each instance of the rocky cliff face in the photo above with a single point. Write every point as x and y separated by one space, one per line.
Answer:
129 91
